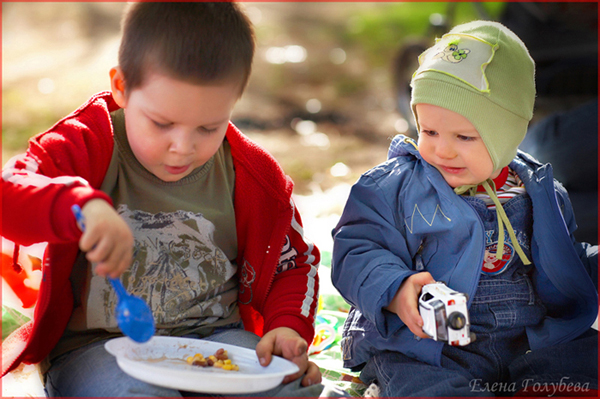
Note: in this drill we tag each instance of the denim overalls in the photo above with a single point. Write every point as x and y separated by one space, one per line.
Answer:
505 301
498 362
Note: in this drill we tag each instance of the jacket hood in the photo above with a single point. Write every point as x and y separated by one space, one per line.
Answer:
402 146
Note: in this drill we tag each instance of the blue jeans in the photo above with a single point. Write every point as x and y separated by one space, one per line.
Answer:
574 363
91 371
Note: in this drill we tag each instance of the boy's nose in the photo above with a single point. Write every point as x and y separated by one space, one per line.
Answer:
445 150
182 142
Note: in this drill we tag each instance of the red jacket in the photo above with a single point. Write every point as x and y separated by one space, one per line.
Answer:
67 164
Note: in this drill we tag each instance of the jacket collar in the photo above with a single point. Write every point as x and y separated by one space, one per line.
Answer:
402 146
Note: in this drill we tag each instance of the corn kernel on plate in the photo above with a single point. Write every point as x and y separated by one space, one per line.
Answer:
198 365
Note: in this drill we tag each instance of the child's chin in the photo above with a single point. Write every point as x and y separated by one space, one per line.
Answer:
454 183
169 178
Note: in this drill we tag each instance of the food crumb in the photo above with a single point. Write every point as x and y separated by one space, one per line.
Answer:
219 360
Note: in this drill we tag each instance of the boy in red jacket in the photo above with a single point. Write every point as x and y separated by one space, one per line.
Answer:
190 214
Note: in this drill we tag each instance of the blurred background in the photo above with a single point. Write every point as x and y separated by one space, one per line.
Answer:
321 97
327 83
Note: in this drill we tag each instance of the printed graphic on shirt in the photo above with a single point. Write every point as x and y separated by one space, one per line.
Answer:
177 269
464 57
491 264
287 260
248 275
494 266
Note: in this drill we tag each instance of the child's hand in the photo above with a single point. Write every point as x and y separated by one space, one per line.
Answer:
288 344
406 302
107 239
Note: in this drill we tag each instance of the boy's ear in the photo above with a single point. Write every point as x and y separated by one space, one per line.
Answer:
117 85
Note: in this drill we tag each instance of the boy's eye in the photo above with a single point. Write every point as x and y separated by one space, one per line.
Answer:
429 132
467 138
161 125
206 130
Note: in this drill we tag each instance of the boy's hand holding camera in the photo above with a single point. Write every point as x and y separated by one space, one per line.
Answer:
406 302
107 239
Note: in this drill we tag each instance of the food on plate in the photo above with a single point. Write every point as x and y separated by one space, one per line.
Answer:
219 359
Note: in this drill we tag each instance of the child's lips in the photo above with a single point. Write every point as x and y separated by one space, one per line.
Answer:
451 170
177 170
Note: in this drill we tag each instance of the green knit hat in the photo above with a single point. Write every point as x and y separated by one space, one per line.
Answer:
484 72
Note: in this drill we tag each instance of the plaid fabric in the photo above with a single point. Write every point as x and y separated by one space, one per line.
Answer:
333 310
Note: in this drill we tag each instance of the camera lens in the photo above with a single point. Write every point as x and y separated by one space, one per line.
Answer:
456 320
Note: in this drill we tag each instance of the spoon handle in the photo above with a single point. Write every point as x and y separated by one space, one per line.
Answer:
79 218
118 286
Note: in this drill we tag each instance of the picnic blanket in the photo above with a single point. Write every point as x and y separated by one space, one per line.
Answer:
325 350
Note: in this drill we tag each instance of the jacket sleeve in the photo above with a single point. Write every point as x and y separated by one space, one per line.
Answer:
293 297
370 257
587 253
60 168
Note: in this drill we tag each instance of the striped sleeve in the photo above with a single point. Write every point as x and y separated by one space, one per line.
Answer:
294 293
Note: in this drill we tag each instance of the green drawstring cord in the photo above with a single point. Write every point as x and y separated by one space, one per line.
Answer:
500 215
411 141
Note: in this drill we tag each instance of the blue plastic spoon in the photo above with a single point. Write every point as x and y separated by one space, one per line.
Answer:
133 315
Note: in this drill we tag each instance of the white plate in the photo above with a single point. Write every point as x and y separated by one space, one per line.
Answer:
161 361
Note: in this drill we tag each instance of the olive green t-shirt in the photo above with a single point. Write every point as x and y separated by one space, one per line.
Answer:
184 254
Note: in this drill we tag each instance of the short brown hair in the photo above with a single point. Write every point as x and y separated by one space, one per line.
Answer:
196 42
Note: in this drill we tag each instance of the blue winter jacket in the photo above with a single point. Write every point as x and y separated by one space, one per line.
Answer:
402 218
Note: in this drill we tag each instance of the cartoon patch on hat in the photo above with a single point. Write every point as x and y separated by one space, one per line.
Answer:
463 57
453 53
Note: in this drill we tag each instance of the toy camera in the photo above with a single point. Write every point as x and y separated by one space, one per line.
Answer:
445 314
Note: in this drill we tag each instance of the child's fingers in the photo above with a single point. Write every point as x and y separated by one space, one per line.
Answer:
264 349
302 363
102 270
288 344
293 347
414 320
421 279
119 261
111 258
99 250
88 241
124 263
313 375
417 330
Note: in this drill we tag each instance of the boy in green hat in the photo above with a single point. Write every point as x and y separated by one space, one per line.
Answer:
465 207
